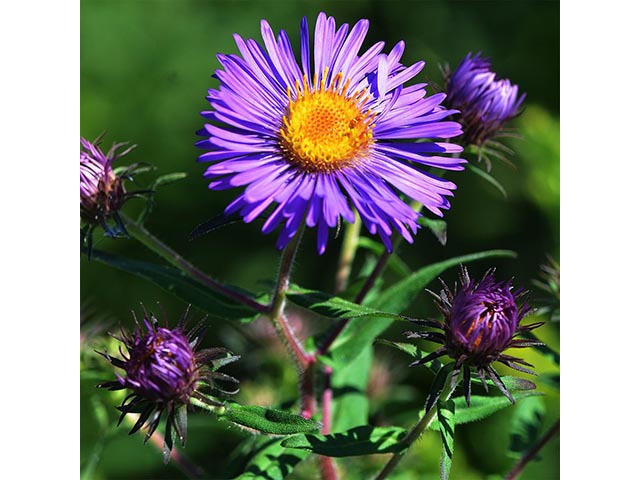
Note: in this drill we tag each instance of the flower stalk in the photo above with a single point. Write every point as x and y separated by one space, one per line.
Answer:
415 433
532 452
348 253
277 314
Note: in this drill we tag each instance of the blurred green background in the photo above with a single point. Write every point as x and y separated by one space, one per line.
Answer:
146 66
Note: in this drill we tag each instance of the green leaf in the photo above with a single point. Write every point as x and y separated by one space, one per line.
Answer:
350 406
177 283
526 425
485 176
482 407
363 440
437 226
272 461
446 412
265 420
332 306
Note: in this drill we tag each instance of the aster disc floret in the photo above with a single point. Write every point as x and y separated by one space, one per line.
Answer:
485 102
164 370
481 320
311 140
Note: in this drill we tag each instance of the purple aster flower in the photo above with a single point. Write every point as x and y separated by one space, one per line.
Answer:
164 370
102 193
481 320
485 102
333 132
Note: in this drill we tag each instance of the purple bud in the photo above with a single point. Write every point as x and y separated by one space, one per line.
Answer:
101 192
483 318
485 102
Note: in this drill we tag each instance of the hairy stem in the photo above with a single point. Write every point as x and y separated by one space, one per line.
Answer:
308 404
532 452
327 464
348 253
417 430
154 244
277 309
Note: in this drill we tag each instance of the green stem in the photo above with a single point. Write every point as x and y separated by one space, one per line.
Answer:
154 244
348 253
417 430
277 314
533 451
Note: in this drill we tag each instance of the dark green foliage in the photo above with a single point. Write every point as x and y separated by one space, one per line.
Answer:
363 440
174 281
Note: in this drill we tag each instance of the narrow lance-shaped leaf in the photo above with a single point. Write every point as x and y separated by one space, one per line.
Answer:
265 420
446 412
482 407
363 440
272 461
334 307
177 283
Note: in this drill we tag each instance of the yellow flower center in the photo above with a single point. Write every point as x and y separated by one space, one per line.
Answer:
324 130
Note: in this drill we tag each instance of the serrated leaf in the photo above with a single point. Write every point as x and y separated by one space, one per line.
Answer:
446 413
266 420
272 462
489 178
526 425
437 226
176 282
334 307
363 440
482 407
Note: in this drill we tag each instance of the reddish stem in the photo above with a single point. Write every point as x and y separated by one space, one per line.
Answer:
308 400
